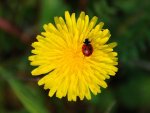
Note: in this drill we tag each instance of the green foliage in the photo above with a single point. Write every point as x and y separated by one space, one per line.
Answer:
26 94
50 9
135 92
106 100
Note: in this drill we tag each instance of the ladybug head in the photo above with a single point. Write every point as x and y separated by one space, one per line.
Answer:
86 41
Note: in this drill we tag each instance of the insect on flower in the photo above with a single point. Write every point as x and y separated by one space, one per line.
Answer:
87 48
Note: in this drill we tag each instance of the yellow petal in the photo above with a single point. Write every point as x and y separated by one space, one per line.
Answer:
42 69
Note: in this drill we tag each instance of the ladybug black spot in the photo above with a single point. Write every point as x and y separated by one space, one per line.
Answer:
87 41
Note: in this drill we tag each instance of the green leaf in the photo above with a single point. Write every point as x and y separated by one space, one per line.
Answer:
127 5
105 101
51 8
135 92
29 98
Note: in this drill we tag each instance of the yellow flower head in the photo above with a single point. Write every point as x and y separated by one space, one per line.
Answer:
74 56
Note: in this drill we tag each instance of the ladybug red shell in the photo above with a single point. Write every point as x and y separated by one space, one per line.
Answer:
87 48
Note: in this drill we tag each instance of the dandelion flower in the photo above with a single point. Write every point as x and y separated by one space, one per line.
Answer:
74 56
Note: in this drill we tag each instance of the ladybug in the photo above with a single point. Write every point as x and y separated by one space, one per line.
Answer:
87 48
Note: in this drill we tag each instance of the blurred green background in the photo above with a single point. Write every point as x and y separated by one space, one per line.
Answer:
129 23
